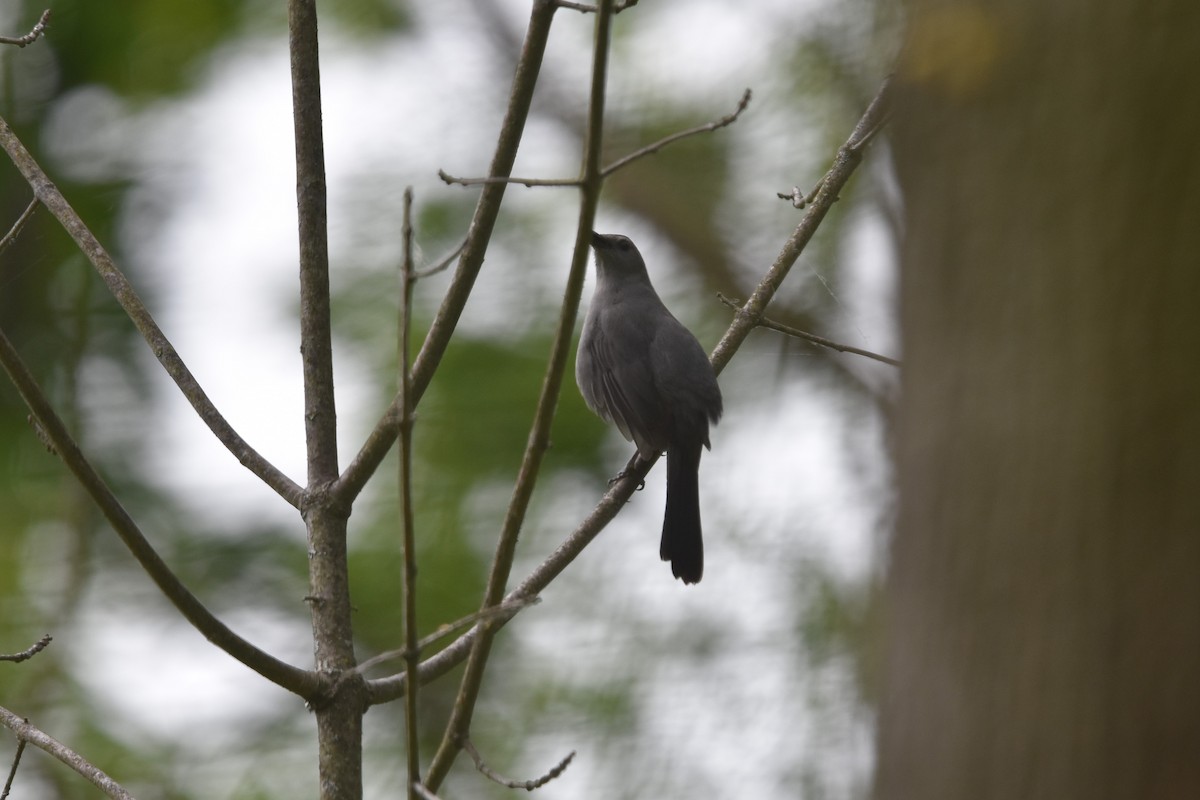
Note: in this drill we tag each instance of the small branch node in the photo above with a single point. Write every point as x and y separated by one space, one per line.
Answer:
528 786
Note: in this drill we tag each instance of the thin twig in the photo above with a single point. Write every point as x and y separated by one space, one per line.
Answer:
708 127
36 33
412 654
591 9
384 434
423 791
15 230
29 733
766 322
12 771
845 162
300 681
618 494
539 434
854 146
450 179
120 287
528 786
506 609
28 652
445 261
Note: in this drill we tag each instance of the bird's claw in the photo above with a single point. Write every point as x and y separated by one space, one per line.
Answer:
624 474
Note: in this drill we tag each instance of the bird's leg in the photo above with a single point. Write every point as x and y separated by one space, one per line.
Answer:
634 463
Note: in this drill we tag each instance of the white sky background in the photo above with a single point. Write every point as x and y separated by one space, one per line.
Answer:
211 225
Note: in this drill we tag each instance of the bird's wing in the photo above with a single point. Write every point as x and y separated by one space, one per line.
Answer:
683 373
624 388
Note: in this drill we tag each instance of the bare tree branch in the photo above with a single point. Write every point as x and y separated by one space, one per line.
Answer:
528 786
12 771
28 733
28 652
450 179
303 683
49 196
442 264
766 322
338 713
618 494
412 653
507 608
34 34
383 436
539 435
17 227
590 9
708 127
845 162
424 792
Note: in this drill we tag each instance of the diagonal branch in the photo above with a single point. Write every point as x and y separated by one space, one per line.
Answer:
788 330
707 127
34 34
848 157
49 196
539 435
618 494
26 732
383 436
19 225
509 783
28 652
283 674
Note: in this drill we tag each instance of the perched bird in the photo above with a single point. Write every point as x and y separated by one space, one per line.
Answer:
640 369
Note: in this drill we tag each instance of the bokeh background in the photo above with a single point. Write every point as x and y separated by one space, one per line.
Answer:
168 126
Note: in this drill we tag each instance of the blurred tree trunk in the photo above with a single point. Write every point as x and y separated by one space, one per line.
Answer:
1044 595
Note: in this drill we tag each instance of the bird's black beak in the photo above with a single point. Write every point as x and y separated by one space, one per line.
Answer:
599 239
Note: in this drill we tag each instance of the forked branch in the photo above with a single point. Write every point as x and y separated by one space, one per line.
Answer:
300 681
49 196
26 732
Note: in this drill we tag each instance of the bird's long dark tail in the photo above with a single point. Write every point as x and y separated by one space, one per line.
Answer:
682 543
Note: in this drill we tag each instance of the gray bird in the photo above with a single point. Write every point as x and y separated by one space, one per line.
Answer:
640 369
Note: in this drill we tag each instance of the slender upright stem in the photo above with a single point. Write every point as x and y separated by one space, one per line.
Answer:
412 648
591 179
339 717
